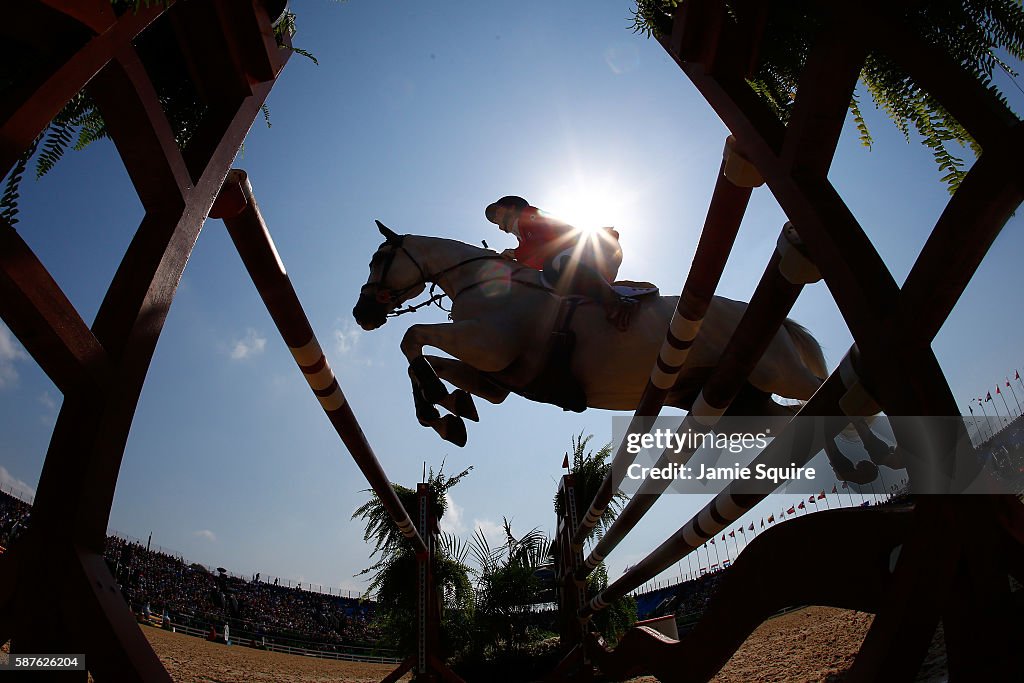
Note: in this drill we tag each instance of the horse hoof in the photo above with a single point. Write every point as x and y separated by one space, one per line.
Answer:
864 472
427 415
464 406
453 430
892 459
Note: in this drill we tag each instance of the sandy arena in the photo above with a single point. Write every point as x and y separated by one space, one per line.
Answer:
812 644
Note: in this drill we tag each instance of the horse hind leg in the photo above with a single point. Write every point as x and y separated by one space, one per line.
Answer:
880 452
863 472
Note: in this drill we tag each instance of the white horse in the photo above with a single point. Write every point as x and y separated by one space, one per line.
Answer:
503 318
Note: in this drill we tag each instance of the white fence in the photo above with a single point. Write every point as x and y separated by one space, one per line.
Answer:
305 652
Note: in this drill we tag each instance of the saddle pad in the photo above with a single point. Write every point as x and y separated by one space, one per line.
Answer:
634 289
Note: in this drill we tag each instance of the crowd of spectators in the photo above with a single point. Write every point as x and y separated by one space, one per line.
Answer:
171 589
193 595
14 516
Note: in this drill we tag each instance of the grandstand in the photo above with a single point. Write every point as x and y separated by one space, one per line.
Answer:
168 591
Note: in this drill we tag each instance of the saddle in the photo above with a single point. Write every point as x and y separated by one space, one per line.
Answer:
555 383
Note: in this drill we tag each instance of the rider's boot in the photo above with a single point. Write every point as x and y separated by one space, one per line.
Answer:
619 311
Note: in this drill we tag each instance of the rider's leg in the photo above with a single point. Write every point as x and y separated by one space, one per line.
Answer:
582 278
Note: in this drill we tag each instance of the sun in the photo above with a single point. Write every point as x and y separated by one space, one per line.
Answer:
587 208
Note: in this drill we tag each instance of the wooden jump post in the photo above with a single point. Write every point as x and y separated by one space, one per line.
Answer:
943 558
56 593
237 206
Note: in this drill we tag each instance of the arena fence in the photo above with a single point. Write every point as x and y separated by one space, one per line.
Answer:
264 644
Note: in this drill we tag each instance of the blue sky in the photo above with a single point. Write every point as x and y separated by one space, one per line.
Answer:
420 114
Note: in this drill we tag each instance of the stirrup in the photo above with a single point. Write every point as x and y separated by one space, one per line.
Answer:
620 312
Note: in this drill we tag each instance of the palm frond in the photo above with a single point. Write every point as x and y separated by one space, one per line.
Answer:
972 33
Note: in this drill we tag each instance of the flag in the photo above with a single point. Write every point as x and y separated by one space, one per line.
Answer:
970 408
733 533
821 495
811 499
711 541
565 462
844 484
1007 382
762 522
742 531
751 527
997 388
988 396
800 506
834 489
723 537
771 518
1017 375
791 511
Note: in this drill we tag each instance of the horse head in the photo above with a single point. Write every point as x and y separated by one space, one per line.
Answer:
395 277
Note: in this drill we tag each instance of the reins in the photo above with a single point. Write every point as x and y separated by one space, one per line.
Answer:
436 299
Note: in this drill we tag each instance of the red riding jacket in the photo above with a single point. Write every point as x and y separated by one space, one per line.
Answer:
541 237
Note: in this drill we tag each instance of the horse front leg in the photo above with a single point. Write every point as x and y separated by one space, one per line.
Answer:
481 347
470 382
451 428
468 379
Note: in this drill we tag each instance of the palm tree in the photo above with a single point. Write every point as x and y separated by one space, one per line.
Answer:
80 123
394 573
589 469
509 584
972 32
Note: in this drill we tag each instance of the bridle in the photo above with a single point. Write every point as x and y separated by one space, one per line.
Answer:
393 297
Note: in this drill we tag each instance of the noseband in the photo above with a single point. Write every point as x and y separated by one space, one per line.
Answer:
386 295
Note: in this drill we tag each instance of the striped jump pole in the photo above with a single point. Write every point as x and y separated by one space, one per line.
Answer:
237 207
736 179
798 443
780 285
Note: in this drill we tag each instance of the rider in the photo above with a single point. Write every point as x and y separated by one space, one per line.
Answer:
550 245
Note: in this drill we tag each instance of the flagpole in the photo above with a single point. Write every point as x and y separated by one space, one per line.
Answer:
718 558
1014 396
1003 396
974 421
985 413
689 561
1019 380
995 409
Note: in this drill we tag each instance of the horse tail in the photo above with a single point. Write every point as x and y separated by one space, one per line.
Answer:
808 348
